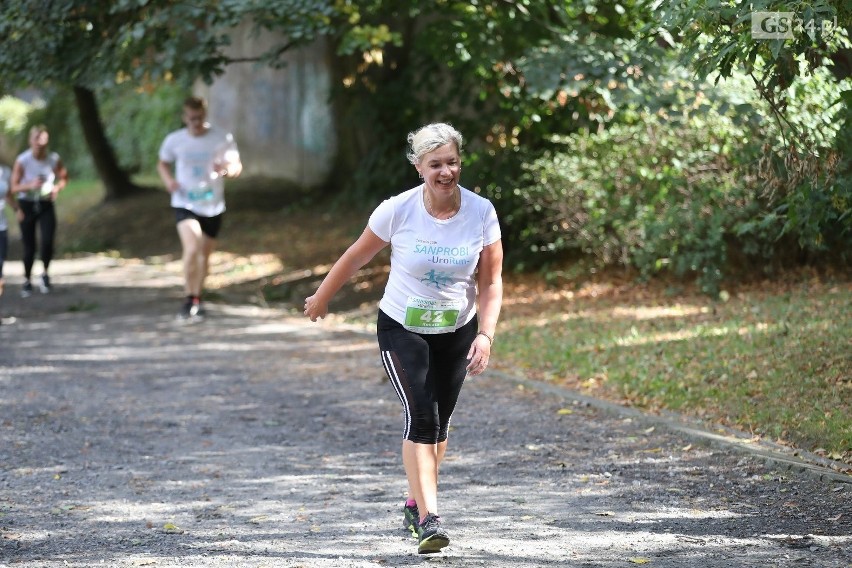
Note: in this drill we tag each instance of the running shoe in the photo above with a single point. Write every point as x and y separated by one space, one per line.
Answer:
410 518
26 290
432 536
44 284
190 311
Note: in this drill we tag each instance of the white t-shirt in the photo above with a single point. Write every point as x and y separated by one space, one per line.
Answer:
5 182
33 169
433 262
201 190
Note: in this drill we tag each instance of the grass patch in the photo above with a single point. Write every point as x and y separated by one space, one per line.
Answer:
78 197
777 365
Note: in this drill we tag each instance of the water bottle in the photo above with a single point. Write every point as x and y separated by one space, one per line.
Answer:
227 154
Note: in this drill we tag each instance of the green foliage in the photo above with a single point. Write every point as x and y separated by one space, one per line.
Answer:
13 116
149 43
805 164
716 37
658 194
674 185
583 119
97 44
409 63
136 122
805 181
140 120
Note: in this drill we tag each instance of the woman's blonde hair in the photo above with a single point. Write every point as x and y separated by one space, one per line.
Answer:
429 137
37 129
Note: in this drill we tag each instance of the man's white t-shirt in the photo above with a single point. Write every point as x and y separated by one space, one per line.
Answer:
433 262
201 190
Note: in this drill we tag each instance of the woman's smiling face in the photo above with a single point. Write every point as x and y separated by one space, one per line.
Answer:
440 169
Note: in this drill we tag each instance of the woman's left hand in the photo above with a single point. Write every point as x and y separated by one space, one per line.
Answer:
480 352
314 308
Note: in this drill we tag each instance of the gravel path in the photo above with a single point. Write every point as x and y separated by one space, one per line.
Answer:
258 440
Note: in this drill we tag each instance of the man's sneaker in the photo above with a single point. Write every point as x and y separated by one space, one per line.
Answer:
410 518
44 284
190 311
432 536
26 290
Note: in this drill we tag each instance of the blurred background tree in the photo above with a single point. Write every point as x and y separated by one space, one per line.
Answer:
659 136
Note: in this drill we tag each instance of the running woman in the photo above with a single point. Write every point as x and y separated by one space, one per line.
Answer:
439 310
38 176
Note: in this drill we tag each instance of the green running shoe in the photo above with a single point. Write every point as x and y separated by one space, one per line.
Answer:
410 519
433 537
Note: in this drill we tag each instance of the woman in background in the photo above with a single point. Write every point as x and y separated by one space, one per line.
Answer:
37 178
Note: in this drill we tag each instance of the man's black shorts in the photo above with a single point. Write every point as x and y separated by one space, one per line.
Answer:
209 225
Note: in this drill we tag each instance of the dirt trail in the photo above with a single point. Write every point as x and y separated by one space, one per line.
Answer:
255 439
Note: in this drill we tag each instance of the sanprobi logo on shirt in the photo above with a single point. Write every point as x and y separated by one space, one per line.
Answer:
444 255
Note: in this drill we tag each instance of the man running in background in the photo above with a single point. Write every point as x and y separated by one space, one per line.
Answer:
193 163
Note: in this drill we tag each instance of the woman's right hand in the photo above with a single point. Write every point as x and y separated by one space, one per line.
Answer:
315 308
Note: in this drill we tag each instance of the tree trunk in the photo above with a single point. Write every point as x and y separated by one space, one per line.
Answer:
116 180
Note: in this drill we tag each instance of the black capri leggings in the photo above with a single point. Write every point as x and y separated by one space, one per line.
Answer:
43 214
427 371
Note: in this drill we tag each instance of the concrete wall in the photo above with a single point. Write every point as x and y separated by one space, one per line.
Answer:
281 118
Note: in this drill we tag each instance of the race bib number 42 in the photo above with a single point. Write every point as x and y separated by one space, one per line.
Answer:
431 316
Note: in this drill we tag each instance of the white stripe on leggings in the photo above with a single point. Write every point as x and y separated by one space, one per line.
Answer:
387 361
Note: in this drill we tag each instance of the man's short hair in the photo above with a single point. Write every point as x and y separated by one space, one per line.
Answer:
195 103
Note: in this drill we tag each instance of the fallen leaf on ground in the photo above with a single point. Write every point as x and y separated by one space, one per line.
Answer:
171 528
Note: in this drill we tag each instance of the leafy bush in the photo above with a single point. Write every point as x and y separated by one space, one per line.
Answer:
13 122
806 172
682 180
655 194
135 121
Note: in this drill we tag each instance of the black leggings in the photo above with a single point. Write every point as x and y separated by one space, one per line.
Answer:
39 213
427 371
4 246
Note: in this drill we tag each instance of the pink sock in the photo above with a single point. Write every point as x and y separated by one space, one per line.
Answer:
410 503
